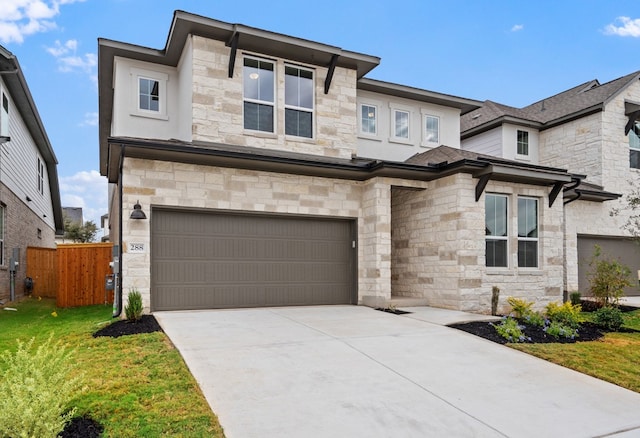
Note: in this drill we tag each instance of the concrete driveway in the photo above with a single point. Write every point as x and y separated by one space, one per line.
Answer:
350 371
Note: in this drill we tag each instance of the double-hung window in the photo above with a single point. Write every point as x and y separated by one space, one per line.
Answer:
496 231
527 232
40 171
522 145
149 94
634 145
431 129
259 92
368 117
4 116
401 124
298 100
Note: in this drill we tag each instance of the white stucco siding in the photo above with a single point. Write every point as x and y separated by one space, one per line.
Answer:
510 143
19 167
488 142
382 145
128 121
185 95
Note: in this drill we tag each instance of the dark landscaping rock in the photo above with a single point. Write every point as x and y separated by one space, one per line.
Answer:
122 327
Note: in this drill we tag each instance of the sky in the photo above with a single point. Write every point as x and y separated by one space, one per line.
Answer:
507 51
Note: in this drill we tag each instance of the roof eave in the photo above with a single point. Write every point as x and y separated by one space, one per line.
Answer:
499 121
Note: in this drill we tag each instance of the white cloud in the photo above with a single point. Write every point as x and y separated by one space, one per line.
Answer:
21 18
90 119
69 61
86 189
629 27
517 27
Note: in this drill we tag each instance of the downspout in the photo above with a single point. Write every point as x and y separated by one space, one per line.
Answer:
117 305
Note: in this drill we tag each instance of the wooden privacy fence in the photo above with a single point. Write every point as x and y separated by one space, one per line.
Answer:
78 275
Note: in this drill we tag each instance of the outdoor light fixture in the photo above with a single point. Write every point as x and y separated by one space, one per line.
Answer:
137 212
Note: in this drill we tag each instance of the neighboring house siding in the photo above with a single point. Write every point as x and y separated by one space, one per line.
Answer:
21 231
575 146
19 168
383 146
218 105
439 253
488 143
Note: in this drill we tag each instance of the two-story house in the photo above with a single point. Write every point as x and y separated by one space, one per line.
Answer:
250 168
30 211
591 129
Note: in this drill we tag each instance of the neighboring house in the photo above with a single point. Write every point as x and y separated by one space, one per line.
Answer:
592 129
30 211
71 215
250 168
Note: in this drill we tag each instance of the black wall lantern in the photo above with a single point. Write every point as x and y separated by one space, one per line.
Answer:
137 212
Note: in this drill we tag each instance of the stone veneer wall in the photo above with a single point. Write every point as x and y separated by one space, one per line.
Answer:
21 231
218 106
160 183
439 247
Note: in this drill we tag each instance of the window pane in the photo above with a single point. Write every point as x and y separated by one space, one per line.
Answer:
634 159
432 129
368 119
527 217
149 94
298 123
523 143
402 124
258 80
527 254
298 88
496 215
258 117
496 253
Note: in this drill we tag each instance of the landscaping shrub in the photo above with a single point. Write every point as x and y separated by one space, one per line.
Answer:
37 387
557 329
566 314
607 278
609 318
535 318
575 298
521 308
133 309
510 330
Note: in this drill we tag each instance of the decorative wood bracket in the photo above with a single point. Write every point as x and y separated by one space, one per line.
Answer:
557 188
632 119
332 67
234 48
482 184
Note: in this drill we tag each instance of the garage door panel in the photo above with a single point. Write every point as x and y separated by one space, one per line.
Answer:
249 260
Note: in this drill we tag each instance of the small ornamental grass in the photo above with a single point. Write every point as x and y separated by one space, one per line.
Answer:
37 388
133 309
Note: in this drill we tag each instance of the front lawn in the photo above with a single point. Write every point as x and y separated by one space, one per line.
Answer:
613 358
136 385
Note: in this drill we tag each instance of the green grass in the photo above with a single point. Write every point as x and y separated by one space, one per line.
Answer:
614 358
136 385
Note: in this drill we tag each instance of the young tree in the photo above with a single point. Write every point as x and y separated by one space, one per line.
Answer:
80 233
632 200
608 278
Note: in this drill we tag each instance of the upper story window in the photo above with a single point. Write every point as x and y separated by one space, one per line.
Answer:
151 93
368 119
431 129
527 232
634 145
259 92
400 124
298 100
522 147
496 231
40 176
4 116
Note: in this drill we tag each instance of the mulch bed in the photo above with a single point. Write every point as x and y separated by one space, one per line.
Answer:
82 427
122 327
588 331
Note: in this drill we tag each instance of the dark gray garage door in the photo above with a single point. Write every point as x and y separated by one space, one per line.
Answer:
204 260
624 250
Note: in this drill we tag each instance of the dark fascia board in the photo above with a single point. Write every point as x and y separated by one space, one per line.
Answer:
250 39
297 164
573 116
463 104
22 100
591 195
491 124
503 172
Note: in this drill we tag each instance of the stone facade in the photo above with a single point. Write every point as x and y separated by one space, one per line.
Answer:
23 228
439 248
218 106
